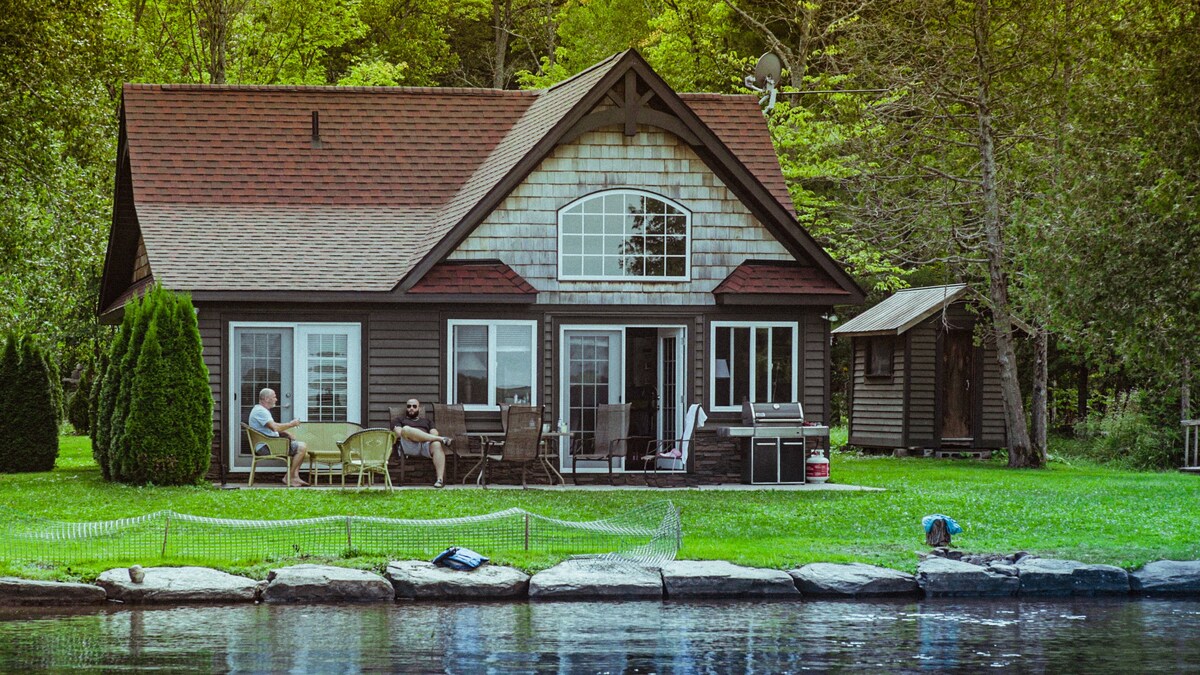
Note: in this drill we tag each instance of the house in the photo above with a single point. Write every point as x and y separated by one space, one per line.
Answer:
603 240
919 378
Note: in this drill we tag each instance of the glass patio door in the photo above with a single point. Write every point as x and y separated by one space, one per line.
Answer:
592 363
314 368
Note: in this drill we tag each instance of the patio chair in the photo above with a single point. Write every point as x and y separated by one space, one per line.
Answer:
277 448
451 421
522 440
610 440
673 452
367 451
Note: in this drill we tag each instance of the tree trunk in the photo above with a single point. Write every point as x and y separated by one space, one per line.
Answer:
1039 420
1081 401
1020 452
502 19
1185 390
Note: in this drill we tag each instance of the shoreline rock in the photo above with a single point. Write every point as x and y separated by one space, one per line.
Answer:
168 585
421 580
1167 577
852 580
325 583
720 579
593 579
15 591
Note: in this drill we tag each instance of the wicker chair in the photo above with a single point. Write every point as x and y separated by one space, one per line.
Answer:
610 440
277 448
368 452
522 440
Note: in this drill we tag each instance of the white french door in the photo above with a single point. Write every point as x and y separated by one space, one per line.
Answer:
593 369
315 368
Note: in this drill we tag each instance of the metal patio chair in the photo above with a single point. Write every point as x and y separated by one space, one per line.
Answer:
522 440
451 421
610 440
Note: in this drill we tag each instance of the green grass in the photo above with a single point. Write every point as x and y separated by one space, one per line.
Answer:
1082 511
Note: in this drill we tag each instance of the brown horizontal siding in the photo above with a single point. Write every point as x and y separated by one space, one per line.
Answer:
877 408
922 404
211 343
993 430
403 361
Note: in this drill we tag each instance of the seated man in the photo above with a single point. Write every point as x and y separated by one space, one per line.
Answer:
418 437
263 422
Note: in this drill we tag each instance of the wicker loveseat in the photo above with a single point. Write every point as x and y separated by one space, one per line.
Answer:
322 439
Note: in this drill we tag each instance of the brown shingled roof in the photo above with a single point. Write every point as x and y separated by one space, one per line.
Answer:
475 277
232 192
778 277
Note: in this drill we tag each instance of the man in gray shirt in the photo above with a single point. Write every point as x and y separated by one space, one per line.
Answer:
263 422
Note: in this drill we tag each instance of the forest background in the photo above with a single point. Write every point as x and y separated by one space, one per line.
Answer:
1046 151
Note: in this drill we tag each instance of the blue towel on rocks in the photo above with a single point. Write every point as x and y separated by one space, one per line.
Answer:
951 526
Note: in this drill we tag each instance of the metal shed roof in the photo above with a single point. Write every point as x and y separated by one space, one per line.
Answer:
902 311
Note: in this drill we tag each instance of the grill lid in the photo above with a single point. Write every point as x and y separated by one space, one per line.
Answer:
772 414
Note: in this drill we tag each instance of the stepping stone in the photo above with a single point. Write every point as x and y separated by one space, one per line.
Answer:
594 578
421 580
720 579
1167 577
325 583
852 580
1046 576
17 591
944 578
178 584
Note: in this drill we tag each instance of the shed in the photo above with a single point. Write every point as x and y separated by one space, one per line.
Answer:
918 376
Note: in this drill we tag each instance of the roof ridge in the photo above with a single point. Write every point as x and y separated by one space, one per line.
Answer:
326 88
585 71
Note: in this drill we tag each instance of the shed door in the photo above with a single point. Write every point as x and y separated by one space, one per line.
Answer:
956 385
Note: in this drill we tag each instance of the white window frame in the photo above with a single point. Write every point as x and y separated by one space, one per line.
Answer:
490 324
712 359
687 254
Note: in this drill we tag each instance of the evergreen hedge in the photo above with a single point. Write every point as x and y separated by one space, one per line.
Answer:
162 424
107 388
28 414
78 410
123 375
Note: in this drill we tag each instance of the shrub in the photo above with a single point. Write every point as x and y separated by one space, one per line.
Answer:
78 409
168 432
28 419
108 387
1125 434
123 384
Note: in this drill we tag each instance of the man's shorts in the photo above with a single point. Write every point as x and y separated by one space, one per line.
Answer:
415 448
263 451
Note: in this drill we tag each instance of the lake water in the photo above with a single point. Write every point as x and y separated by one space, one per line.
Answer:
1083 635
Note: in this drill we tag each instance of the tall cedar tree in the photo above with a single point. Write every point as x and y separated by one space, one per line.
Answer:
79 409
28 420
168 432
109 385
124 380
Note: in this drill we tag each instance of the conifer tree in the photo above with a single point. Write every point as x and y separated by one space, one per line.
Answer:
123 385
108 387
28 420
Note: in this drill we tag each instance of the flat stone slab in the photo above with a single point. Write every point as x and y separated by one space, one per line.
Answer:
178 584
17 591
325 583
1167 577
852 580
1050 577
421 580
719 579
944 578
577 579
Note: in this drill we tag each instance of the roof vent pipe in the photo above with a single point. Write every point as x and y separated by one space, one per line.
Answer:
316 127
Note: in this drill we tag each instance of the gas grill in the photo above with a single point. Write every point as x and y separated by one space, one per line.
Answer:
777 445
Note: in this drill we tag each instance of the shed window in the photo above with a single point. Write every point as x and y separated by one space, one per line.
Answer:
879 356
491 362
754 362
618 234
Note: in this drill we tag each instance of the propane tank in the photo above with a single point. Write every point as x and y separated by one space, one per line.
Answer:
816 467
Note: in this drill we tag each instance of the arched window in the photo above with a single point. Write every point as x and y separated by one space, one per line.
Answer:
623 234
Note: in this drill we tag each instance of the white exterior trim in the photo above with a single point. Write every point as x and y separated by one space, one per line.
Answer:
712 359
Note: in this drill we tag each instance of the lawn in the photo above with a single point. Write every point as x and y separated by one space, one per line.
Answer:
1083 512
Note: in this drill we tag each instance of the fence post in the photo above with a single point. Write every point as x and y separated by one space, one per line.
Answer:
166 531
526 531
349 543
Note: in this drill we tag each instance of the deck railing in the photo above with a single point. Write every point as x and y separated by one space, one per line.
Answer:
1191 444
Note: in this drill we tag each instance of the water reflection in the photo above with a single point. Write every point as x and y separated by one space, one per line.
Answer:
633 637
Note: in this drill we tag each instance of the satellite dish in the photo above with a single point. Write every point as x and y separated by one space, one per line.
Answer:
765 78
767 71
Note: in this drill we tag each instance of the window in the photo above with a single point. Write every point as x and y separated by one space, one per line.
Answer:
621 234
879 356
754 362
491 362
